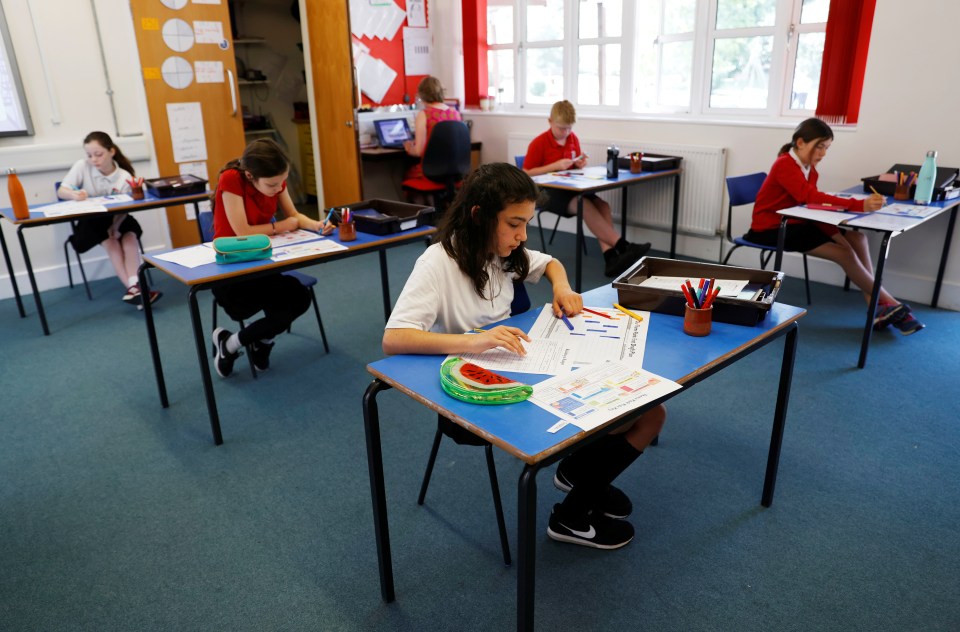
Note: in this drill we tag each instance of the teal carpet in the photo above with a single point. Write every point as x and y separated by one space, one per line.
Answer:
116 514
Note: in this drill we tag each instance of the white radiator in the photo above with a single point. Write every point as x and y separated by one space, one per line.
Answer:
651 204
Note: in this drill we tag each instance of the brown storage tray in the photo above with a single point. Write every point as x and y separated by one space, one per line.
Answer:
384 217
669 162
173 186
735 310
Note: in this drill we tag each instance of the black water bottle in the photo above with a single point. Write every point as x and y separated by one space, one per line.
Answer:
613 162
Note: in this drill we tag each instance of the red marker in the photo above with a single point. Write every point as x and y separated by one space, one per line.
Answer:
597 313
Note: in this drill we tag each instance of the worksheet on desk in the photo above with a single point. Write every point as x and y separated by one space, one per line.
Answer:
543 357
610 337
594 395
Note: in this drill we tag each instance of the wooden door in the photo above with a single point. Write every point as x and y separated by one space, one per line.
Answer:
218 99
334 93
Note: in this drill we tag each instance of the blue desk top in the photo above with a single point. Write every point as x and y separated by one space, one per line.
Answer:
521 429
214 271
148 202
624 178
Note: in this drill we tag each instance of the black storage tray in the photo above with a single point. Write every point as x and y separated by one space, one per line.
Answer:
734 310
175 185
670 162
384 217
945 175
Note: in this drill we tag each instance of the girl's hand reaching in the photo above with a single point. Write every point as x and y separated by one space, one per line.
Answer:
566 301
501 336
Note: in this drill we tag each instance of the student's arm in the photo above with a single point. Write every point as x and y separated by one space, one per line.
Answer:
70 185
237 216
419 142
430 342
292 218
565 300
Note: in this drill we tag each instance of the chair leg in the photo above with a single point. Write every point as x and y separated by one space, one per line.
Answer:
543 243
554 233
727 258
430 462
764 260
83 275
846 283
140 244
213 347
806 278
495 488
66 257
316 310
249 349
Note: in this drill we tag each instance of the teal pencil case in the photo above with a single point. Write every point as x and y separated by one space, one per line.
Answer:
238 249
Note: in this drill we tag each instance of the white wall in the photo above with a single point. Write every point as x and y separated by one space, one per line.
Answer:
911 49
66 89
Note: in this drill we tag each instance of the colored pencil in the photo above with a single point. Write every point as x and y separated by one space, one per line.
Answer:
628 312
587 309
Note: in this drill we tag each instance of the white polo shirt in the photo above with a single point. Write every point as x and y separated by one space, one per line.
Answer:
83 175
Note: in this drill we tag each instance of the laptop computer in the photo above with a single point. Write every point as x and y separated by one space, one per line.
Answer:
391 133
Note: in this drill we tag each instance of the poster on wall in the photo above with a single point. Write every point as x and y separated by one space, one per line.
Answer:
416 51
416 14
187 137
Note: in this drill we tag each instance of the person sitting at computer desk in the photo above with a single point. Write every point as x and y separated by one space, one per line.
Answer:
430 93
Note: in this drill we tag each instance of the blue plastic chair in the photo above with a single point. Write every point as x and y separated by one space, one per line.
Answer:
205 223
520 304
743 190
518 160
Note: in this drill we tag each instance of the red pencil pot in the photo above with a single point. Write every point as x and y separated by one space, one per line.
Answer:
696 322
136 192
348 231
636 162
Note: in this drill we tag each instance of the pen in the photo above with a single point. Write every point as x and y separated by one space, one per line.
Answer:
628 312
597 313
566 321
686 293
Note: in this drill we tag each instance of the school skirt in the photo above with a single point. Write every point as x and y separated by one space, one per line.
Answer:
91 231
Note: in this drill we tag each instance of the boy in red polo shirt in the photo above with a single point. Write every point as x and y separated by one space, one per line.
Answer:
558 149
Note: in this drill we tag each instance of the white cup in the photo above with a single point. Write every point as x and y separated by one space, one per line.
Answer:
485 104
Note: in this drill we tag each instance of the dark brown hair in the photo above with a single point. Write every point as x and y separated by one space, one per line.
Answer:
103 139
808 130
469 237
262 158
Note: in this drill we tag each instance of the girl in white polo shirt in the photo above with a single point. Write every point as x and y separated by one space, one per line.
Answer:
465 281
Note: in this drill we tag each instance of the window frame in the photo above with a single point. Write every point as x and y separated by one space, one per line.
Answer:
786 33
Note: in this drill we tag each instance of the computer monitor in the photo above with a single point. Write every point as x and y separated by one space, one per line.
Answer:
391 133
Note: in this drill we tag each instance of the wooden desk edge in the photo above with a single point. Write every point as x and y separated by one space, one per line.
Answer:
532 459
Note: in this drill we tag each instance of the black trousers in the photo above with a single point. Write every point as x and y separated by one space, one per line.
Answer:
281 298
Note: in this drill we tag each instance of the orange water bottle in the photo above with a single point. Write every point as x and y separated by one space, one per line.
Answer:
18 199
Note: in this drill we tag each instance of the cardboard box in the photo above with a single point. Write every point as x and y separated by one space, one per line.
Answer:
386 217
749 308
175 185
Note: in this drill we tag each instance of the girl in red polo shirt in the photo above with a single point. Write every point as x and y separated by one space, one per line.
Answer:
249 193
793 181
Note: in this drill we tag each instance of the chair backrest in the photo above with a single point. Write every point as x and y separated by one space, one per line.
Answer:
446 158
521 300
519 160
205 219
742 190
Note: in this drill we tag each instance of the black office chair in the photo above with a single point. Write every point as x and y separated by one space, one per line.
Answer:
446 161
540 211
743 190
66 253
205 222
445 427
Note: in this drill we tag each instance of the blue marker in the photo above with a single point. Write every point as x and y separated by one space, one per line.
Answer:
566 321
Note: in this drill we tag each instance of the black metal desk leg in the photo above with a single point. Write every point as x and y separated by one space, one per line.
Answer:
201 344
13 277
943 256
577 246
385 285
371 426
623 212
33 281
874 298
781 238
526 546
780 415
152 334
676 216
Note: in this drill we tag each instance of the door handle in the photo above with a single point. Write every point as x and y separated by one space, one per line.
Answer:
233 92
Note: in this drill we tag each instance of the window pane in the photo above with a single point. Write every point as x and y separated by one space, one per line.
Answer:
676 66
611 74
806 75
545 21
500 75
499 24
679 16
814 11
736 14
741 72
588 78
600 18
544 75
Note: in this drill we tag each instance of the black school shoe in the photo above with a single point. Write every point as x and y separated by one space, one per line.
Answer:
593 530
260 354
615 503
222 359
617 264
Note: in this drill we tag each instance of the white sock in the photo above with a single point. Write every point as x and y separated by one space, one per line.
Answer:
233 343
267 341
132 281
